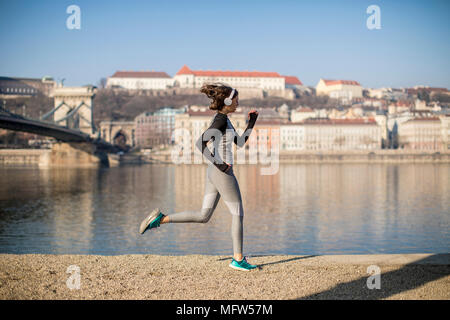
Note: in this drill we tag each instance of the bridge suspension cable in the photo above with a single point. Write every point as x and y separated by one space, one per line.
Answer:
48 114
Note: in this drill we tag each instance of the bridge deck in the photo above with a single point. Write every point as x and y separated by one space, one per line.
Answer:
52 130
43 128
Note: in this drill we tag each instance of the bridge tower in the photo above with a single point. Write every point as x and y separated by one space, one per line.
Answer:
74 108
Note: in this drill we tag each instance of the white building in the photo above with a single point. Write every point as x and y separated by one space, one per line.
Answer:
379 93
155 128
292 137
381 120
445 131
422 133
140 80
344 90
398 107
302 113
387 93
342 134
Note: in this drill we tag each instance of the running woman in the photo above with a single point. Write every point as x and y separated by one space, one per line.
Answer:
220 179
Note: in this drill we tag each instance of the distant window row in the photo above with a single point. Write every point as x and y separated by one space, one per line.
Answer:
18 90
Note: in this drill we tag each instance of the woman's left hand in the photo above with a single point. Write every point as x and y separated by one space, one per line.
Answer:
253 115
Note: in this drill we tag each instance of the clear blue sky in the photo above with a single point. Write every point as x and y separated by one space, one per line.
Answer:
308 39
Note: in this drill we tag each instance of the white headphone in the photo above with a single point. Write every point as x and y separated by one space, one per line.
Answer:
228 101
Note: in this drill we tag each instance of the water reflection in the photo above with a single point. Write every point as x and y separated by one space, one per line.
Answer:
304 209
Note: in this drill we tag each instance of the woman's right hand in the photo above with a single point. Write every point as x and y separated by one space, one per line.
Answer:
224 167
228 168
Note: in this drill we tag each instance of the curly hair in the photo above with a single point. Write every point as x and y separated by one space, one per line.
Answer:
218 92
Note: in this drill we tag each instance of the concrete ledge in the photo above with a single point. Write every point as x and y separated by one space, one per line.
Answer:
350 156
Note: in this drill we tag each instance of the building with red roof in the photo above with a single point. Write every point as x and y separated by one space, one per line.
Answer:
187 78
292 82
344 90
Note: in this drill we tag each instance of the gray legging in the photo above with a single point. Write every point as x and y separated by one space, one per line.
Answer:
218 184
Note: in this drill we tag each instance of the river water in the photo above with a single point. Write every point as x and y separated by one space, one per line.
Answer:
303 209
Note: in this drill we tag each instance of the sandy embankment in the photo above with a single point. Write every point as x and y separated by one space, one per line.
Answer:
418 276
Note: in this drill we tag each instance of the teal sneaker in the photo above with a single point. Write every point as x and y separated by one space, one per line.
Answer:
152 221
242 265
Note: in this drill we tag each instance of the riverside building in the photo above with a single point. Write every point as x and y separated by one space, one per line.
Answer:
344 90
342 134
140 80
155 128
423 133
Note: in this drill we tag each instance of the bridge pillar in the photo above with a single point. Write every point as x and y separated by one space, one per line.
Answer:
74 108
75 154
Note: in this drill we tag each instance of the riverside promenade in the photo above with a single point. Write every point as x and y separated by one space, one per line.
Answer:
46 157
401 276
351 156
